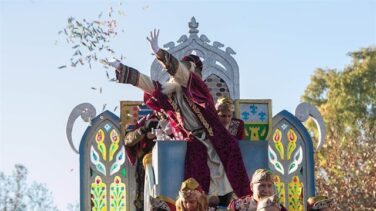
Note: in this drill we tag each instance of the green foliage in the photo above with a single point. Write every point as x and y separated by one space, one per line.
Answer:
346 165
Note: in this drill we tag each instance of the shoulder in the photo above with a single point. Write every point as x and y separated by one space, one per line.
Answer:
237 122
241 203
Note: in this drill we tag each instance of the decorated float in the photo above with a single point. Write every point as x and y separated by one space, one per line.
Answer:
280 143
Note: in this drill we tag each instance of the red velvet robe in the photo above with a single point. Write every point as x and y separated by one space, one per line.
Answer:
200 101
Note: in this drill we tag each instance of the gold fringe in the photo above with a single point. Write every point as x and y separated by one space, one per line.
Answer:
147 159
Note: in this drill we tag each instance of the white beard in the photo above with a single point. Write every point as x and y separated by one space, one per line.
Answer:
170 87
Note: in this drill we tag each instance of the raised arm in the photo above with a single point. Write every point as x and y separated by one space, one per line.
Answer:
177 69
129 75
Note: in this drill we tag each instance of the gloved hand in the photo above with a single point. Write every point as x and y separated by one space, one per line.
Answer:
153 39
114 63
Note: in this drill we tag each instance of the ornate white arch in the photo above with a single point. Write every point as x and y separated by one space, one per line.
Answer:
215 60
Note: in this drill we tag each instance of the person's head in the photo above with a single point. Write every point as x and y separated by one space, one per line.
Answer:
262 184
196 61
225 109
158 204
319 203
191 197
213 201
269 204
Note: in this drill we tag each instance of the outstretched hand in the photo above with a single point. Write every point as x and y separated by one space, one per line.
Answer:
114 63
153 39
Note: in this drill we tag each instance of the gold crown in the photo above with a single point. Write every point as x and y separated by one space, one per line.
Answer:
224 103
189 184
261 175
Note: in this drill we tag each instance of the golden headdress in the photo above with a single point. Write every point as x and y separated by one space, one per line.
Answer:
262 175
189 187
224 103
190 184
191 190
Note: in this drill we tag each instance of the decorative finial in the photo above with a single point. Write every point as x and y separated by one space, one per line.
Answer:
193 25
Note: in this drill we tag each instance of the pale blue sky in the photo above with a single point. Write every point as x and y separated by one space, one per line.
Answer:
278 43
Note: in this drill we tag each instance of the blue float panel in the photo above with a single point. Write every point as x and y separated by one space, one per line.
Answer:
255 155
169 156
168 164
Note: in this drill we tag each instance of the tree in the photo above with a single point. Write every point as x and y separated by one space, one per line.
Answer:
346 167
16 195
73 206
13 189
4 191
40 198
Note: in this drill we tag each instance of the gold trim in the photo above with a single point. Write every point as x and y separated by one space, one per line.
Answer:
176 109
147 159
256 101
194 109
200 116
172 102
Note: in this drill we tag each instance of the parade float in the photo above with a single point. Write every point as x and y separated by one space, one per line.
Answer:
280 143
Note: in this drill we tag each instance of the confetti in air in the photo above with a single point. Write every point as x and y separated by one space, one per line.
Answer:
90 40
89 43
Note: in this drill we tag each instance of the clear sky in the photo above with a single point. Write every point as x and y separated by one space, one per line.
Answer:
279 44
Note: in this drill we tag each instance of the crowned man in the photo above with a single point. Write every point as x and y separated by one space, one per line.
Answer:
262 186
213 155
225 109
191 197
